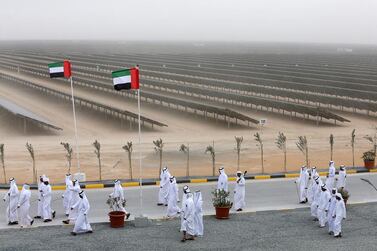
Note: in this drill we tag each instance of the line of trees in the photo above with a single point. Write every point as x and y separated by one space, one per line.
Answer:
280 141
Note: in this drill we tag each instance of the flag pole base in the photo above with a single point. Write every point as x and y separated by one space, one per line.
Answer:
142 221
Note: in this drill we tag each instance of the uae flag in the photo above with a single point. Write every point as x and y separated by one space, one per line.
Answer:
60 69
126 79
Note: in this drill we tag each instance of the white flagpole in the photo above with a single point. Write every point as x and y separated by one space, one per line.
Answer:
140 165
75 124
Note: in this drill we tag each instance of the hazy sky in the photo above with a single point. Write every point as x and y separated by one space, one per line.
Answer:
324 21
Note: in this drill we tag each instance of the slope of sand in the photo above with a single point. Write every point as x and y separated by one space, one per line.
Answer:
183 128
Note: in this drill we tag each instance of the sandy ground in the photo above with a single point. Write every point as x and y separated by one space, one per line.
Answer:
183 128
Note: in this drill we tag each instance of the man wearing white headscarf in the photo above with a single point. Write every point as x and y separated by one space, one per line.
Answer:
331 176
239 192
302 183
323 206
46 194
309 190
222 183
24 206
330 211
173 210
11 197
316 188
40 202
338 215
342 177
188 224
164 187
186 190
75 190
198 218
118 196
67 193
314 171
82 224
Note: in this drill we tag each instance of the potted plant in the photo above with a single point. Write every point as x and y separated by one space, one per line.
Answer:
116 217
221 203
369 158
345 194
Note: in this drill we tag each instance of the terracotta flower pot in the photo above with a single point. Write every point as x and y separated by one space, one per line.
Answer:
369 164
222 212
117 219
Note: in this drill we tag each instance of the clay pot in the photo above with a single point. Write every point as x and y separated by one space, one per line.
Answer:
117 219
369 164
222 212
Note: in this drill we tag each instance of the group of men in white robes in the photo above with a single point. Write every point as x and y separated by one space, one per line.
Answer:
239 190
326 203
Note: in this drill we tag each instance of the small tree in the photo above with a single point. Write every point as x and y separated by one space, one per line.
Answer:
281 142
186 150
2 161
68 155
353 146
159 147
238 149
331 146
258 139
302 145
373 140
128 148
30 149
97 151
211 150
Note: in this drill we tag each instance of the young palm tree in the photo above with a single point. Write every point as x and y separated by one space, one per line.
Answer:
302 145
97 151
258 139
353 146
128 148
281 142
2 161
186 150
30 149
211 150
159 147
68 155
238 149
331 146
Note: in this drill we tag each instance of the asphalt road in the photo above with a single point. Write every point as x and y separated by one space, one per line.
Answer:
268 230
261 195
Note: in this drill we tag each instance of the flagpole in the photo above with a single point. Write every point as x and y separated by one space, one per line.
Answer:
140 165
75 124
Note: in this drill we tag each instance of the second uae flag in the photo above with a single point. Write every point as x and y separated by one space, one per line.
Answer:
60 69
126 79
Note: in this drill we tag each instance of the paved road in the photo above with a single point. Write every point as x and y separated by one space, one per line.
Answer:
261 195
268 230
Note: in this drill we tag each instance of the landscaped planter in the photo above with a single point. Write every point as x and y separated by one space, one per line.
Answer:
222 212
369 164
117 219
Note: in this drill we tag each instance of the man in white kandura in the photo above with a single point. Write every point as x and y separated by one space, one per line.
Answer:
187 221
342 177
222 183
309 190
82 224
331 176
118 196
75 190
40 202
198 218
46 194
164 187
316 188
330 211
302 184
339 214
24 206
323 206
67 193
239 192
173 210
11 197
